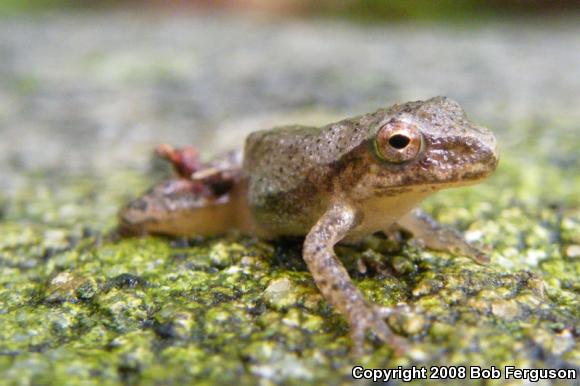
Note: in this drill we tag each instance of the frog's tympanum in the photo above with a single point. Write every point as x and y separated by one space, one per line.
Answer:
331 184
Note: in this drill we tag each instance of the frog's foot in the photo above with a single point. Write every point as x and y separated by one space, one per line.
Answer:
219 175
373 263
372 318
185 160
433 235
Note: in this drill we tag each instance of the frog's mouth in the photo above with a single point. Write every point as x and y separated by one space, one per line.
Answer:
469 175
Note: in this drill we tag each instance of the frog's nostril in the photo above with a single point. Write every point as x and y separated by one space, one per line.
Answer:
399 141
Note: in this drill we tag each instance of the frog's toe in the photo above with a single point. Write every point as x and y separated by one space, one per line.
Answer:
373 320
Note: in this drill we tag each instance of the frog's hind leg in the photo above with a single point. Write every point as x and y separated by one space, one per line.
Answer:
179 207
437 237
205 199
335 284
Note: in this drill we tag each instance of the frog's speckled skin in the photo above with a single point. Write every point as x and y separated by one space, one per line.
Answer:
295 173
330 184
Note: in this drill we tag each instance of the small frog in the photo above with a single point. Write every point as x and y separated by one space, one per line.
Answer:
336 183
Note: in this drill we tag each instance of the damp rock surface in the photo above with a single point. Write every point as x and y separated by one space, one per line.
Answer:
94 92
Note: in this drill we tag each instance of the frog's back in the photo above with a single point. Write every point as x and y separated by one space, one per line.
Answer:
281 174
278 160
289 171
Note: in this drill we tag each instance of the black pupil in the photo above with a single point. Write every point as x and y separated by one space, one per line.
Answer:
399 141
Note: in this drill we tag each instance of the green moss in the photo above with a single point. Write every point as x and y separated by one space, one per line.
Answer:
80 308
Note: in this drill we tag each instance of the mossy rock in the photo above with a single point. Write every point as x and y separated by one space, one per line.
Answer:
81 308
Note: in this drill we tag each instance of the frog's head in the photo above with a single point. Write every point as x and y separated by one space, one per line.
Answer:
429 145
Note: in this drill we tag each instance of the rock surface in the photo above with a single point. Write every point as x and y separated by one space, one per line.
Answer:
84 97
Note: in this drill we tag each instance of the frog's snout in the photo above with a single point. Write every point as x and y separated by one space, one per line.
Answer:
483 155
490 149
496 152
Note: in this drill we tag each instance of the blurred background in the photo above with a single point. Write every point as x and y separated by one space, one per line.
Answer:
88 88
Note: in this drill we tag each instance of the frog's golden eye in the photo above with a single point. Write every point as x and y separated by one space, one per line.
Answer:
398 141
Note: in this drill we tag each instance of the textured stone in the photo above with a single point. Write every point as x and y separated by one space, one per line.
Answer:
94 92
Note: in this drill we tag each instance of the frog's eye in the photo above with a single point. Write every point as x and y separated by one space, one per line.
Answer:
398 141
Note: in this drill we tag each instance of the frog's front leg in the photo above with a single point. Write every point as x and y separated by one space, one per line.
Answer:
438 237
334 282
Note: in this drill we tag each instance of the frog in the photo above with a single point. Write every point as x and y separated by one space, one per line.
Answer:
337 183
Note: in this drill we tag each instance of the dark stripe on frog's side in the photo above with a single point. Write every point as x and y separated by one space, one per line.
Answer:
280 215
